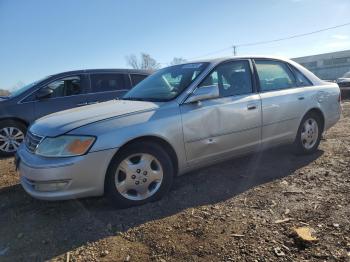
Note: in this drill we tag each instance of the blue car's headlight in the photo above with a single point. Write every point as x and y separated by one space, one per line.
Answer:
64 146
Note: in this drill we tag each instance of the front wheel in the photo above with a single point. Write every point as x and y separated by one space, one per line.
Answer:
141 173
309 134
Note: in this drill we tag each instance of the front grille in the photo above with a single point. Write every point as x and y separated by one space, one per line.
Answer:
32 141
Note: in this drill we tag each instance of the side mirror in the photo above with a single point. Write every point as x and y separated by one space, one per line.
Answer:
44 93
204 93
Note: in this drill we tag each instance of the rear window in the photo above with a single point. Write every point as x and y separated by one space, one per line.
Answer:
109 82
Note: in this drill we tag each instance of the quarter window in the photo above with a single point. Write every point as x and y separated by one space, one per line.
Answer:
232 78
109 82
300 78
274 75
66 87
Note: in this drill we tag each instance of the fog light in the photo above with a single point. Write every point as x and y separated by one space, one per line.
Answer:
50 186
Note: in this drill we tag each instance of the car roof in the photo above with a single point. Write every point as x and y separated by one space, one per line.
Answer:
223 59
106 70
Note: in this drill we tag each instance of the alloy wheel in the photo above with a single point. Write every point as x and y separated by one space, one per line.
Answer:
309 133
139 176
10 139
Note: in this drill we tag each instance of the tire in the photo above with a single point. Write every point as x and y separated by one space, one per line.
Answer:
13 130
309 134
142 172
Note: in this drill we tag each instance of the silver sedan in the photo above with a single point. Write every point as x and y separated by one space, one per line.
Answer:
179 119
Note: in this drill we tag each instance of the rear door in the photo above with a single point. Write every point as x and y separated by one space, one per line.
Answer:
68 92
107 86
228 125
283 101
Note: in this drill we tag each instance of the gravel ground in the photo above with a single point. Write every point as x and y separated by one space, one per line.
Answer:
240 210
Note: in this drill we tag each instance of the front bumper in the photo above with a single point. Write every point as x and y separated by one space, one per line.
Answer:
63 178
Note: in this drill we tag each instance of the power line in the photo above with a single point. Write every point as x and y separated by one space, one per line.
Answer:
292 36
268 41
211 53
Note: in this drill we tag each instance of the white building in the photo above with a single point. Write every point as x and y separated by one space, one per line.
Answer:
329 66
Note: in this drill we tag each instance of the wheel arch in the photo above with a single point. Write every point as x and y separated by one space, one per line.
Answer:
154 139
319 112
15 119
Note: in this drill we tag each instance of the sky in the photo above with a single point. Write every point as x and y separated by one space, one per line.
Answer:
43 37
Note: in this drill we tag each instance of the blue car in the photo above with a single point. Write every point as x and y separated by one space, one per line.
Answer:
56 93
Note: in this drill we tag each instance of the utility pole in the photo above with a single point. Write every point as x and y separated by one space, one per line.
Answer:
234 50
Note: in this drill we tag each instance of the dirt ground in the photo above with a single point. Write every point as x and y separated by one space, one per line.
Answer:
241 210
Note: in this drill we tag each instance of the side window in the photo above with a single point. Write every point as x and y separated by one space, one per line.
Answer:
232 78
66 86
300 78
135 79
274 75
109 82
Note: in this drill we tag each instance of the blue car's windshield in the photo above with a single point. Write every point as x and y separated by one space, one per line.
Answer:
26 87
167 83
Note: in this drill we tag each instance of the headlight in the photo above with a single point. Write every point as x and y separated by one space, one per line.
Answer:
64 146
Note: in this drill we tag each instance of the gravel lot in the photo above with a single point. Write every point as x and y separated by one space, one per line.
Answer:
240 210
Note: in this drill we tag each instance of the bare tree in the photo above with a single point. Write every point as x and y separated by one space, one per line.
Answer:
144 62
178 60
131 60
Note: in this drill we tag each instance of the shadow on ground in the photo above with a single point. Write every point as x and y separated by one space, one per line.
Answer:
39 230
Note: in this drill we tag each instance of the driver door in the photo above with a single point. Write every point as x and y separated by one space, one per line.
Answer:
227 125
68 92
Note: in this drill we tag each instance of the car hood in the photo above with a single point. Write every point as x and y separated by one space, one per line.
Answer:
65 121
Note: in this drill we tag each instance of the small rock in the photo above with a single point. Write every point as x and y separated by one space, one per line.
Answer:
279 252
189 229
284 182
336 225
104 253
20 235
127 259
305 233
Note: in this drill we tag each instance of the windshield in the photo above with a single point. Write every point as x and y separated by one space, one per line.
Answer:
167 83
26 87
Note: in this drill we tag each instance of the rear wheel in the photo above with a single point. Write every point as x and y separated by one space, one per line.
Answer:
140 173
11 136
309 134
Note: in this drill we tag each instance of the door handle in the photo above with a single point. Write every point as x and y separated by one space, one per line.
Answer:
251 107
301 98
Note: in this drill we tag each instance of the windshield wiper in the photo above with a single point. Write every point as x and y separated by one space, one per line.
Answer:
148 99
